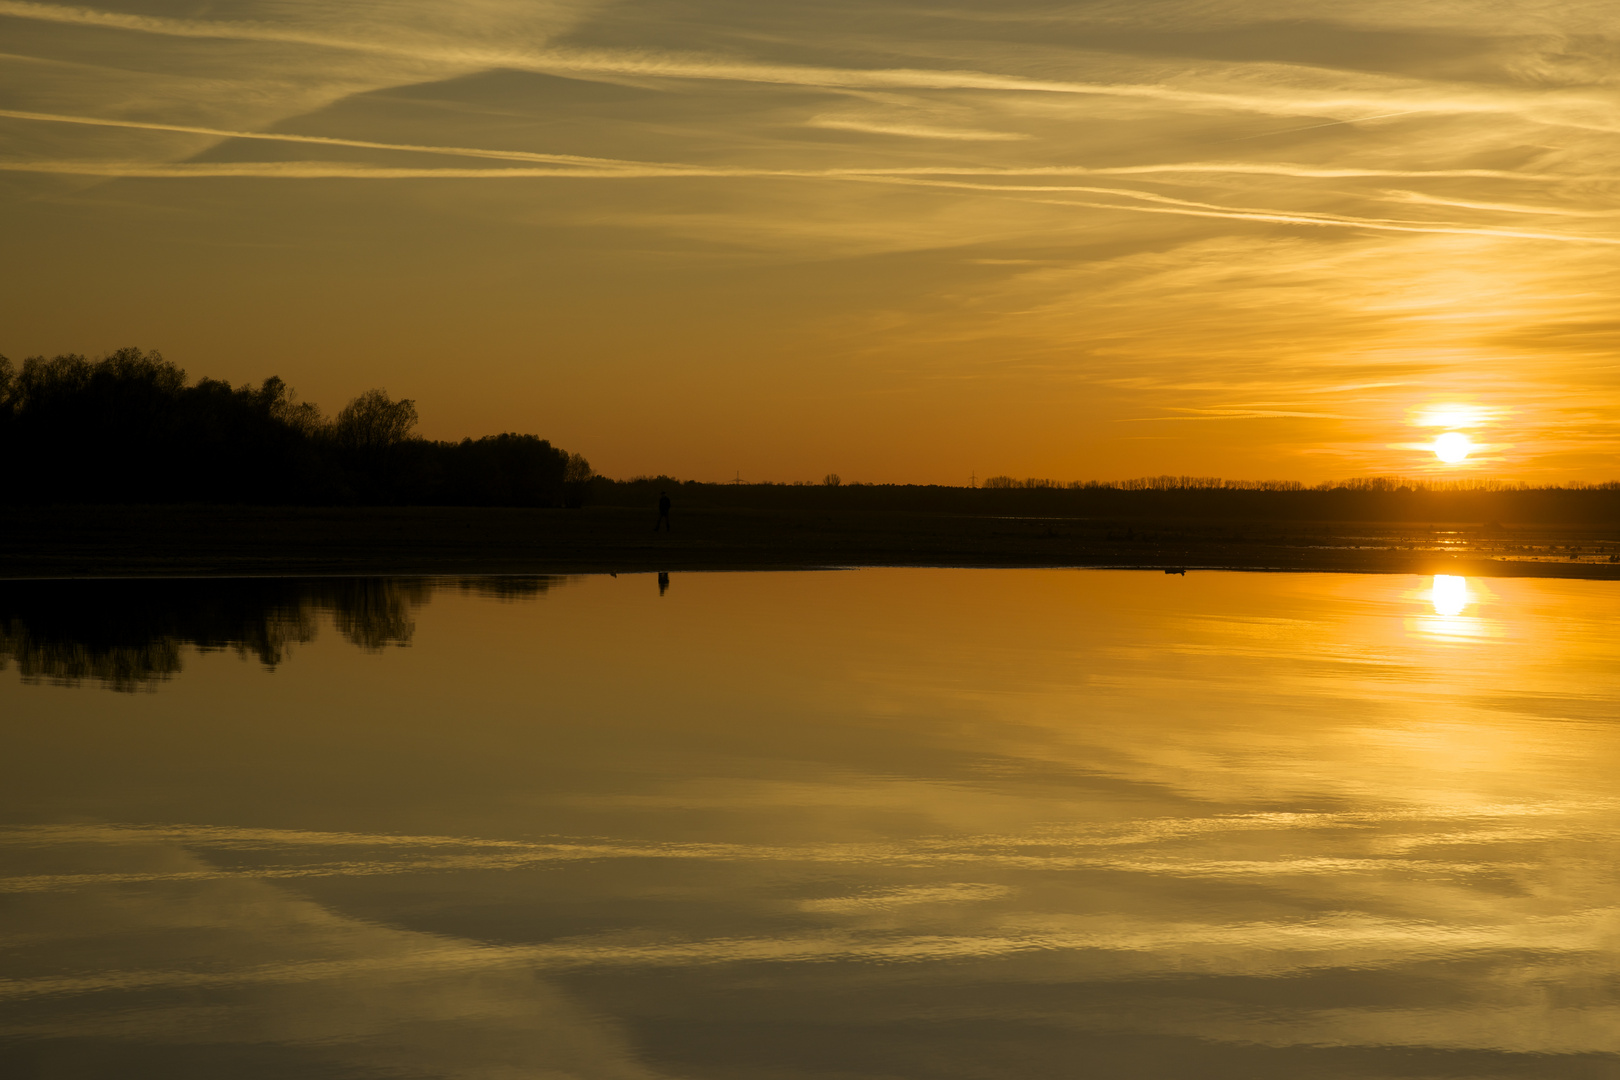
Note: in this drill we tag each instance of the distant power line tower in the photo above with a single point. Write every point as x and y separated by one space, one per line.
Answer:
738 478
973 480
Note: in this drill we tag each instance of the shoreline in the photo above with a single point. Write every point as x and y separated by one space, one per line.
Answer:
84 542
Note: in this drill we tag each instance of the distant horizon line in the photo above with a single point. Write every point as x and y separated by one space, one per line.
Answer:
1387 483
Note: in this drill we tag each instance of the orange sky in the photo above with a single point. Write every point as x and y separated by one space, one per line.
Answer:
899 242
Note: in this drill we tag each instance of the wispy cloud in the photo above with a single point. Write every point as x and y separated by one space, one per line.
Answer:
913 131
1558 107
322 170
326 140
1123 207
1240 168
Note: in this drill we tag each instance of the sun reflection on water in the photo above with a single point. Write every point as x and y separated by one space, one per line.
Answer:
1456 615
1247 818
1450 594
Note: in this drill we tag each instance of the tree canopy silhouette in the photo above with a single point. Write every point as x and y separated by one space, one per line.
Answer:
130 428
372 424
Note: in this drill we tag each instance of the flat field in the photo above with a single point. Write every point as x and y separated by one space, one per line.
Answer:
93 541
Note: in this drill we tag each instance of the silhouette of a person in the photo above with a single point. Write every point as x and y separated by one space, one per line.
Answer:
663 581
663 512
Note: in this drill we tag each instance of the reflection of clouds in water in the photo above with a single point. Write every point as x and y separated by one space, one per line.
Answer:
1179 847
882 899
339 994
1234 815
1520 1029
1464 900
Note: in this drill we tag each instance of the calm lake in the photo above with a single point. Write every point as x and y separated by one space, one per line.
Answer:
857 825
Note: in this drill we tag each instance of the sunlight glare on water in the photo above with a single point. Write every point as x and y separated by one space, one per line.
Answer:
1462 614
922 823
1450 594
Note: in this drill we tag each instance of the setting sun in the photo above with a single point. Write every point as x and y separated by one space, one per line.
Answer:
1453 447
434 424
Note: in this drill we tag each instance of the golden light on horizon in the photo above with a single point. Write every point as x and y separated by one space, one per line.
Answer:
1453 415
945 226
1453 447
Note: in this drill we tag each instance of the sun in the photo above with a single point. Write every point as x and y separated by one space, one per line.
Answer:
1453 447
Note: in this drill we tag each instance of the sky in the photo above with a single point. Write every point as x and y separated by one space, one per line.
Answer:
900 241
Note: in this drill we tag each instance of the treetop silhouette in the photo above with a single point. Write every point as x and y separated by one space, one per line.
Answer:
130 428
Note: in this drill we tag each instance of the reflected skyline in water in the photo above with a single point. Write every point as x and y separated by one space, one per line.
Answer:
131 634
864 824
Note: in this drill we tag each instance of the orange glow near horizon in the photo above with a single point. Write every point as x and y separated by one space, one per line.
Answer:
1453 447
1453 416
908 253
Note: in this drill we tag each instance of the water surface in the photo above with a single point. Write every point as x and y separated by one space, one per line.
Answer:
854 825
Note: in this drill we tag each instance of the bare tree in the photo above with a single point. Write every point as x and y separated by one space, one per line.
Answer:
577 476
372 423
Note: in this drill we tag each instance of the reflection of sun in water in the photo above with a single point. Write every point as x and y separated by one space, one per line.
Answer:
1457 617
1450 594
1452 447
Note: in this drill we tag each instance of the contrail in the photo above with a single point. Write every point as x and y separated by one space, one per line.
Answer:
1343 222
326 140
314 170
1314 127
644 168
664 65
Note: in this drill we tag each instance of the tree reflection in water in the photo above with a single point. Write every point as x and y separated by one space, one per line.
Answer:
129 635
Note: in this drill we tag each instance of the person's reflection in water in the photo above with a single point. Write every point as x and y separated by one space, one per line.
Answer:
663 582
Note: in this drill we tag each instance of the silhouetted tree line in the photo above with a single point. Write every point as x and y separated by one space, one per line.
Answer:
134 633
129 428
1380 499
1384 484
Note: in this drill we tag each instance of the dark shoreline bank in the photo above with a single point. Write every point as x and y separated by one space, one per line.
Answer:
181 541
